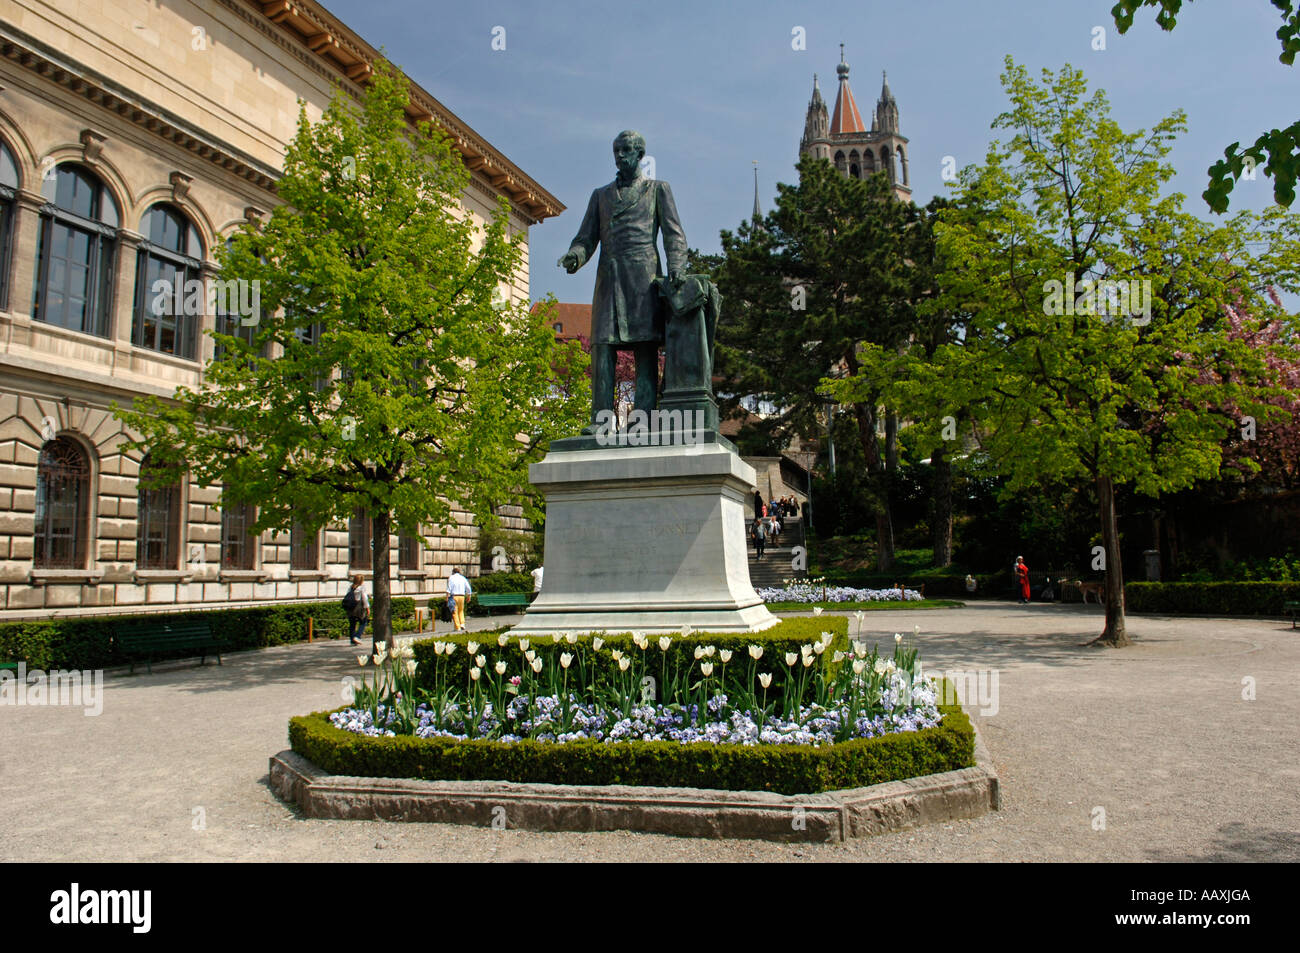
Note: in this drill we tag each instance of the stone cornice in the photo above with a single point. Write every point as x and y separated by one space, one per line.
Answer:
31 54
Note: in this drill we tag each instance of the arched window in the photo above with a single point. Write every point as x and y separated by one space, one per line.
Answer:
868 163
74 260
840 162
902 164
855 169
158 521
169 294
238 546
62 506
359 553
887 161
8 192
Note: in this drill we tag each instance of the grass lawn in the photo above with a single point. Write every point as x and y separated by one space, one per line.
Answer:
868 606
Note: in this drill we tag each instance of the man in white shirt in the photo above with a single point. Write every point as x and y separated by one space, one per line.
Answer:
537 579
458 588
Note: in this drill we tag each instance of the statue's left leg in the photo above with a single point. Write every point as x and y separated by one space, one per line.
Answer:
647 375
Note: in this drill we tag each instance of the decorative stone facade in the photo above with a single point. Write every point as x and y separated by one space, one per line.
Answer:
187 107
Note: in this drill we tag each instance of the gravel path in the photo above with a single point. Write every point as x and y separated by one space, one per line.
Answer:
1157 735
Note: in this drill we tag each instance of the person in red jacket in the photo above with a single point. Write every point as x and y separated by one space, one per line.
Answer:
1022 579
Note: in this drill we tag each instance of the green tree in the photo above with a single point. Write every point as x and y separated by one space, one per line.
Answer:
1064 379
1277 150
387 373
823 272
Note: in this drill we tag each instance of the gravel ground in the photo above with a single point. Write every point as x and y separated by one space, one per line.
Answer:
1157 735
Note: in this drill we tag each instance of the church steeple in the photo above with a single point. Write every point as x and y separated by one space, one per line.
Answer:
846 118
816 124
758 215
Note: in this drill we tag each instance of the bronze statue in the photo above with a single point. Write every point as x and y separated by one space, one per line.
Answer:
633 300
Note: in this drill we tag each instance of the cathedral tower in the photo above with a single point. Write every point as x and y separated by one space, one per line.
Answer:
844 139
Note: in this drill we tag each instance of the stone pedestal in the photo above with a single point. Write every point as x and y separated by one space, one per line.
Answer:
645 538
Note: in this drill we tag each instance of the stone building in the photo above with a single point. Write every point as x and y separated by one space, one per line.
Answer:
134 137
843 138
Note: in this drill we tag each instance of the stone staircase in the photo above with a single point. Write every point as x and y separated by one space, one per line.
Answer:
775 566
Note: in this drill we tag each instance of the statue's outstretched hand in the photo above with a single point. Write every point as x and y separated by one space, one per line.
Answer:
570 262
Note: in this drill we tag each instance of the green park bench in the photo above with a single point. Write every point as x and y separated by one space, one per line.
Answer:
147 638
492 600
1292 609
8 666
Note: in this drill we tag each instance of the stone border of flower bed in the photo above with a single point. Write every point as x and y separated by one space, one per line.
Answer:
689 812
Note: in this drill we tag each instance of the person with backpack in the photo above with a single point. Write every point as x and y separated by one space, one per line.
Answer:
357 607
459 590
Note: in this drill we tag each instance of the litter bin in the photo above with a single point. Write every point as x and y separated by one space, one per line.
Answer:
1152 559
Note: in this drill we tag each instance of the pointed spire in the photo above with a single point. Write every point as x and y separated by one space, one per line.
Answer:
846 117
885 95
886 115
758 215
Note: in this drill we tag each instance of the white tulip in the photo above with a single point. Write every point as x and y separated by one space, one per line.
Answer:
502 639
474 673
523 645
916 629
791 658
438 648
819 647
699 652
890 667
664 643
597 644
381 646
409 665
898 637
706 668
530 655
471 647
709 650
807 660
725 655
380 656
879 666
363 659
556 636
537 665
565 659
571 637
837 658
818 610
858 665
859 615
623 663
686 630
805 650
480 661
500 668
451 647
765 680
617 654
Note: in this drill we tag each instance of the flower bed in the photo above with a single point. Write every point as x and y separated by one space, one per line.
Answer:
618 705
808 591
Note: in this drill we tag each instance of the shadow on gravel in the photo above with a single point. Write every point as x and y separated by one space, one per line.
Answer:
1237 843
252 669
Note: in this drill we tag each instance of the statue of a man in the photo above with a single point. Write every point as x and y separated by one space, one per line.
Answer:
625 218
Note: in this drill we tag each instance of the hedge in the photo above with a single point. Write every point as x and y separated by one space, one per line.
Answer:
786 636
86 642
783 769
1211 598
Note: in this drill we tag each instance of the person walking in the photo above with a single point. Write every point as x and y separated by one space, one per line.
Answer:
357 606
1022 580
760 538
758 503
459 589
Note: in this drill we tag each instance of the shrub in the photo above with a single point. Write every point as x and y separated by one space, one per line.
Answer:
1211 598
783 769
86 642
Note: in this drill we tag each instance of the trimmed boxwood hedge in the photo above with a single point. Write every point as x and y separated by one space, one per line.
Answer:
783 769
1211 598
785 636
86 642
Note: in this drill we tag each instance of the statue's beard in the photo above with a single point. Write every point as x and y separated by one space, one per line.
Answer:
627 176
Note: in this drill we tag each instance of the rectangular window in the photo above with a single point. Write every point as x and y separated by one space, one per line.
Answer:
304 549
359 553
238 548
158 528
410 552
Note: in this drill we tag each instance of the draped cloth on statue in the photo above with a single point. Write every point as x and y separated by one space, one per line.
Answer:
690 321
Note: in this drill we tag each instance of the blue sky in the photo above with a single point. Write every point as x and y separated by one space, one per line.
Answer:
714 86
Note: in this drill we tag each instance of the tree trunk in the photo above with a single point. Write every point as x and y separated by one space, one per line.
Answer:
1115 632
941 518
381 612
879 476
